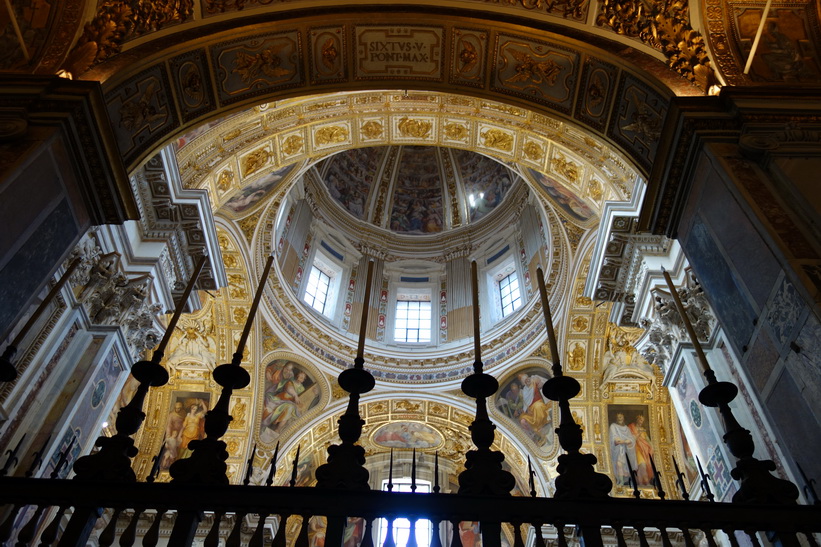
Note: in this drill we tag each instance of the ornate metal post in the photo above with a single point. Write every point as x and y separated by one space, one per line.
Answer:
758 485
207 462
577 478
483 474
345 467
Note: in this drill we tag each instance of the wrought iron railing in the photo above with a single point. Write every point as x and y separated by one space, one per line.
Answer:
65 512
590 522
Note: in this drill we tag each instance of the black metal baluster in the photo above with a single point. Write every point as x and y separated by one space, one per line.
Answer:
152 536
537 533
688 539
8 524
49 535
455 537
258 539
26 533
753 535
390 541
213 537
642 537
235 537
280 539
302 539
130 533
367 537
110 531
708 535
560 537
435 539
517 535
412 533
619 536
665 539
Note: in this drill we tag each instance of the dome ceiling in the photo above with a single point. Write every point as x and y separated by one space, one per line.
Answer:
416 189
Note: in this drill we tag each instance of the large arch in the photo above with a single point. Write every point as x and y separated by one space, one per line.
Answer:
166 86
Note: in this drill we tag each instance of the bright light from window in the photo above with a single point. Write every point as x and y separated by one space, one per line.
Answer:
402 527
509 291
316 292
412 322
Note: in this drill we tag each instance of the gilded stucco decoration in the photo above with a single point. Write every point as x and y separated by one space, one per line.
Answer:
663 25
117 21
543 73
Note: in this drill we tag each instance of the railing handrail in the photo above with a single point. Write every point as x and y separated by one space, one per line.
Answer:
284 500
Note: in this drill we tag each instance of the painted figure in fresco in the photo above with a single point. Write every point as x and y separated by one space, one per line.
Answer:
284 403
644 451
622 446
193 426
407 435
173 435
512 405
535 411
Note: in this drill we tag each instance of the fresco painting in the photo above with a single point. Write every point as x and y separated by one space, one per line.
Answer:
290 392
566 200
185 422
350 176
407 435
521 400
251 194
629 437
485 179
418 204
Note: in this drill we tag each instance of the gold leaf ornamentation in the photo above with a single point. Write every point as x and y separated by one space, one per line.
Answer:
533 151
224 180
565 167
498 139
292 145
419 129
372 129
595 189
255 161
456 132
333 134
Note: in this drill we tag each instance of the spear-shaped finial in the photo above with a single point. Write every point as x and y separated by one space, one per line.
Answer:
680 480
295 467
633 480
273 470
250 469
705 484
531 478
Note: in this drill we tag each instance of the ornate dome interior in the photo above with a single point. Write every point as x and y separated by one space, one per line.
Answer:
411 189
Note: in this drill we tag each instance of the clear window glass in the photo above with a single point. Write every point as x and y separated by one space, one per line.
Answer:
413 320
316 292
509 292
402 526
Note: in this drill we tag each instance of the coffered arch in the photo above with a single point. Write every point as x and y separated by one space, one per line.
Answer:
165 87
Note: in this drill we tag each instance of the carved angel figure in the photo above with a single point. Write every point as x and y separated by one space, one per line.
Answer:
537 72
267 62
